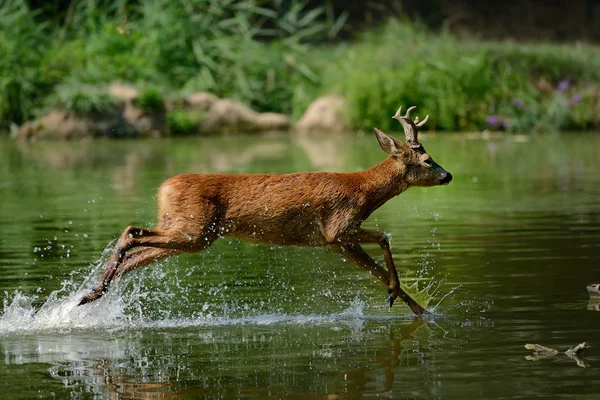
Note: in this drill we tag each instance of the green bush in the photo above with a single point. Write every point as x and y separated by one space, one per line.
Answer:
22 45
233 49
462 84
150 99
83 99
276 58
181 122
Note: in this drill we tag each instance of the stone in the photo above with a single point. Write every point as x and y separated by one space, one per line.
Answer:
69 125
147 123
228 116
325 114
202 101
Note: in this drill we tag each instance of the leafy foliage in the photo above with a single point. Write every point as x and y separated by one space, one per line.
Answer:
181 122
150 99
83 99
464 84
274 56
233 49
22 42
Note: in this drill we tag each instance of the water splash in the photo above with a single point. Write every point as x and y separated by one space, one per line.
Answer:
444 297
134 301
148 299
114 312
125 306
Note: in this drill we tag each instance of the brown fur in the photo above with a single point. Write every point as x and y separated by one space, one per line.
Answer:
301 209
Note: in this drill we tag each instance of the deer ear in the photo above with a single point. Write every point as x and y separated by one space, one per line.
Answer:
389 144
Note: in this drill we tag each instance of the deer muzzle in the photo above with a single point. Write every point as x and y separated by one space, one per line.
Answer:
446 178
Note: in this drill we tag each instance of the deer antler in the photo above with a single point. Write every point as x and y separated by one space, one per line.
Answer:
411 128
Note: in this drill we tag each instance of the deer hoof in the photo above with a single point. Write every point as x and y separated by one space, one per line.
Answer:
418 310
83 301
94 295
391 298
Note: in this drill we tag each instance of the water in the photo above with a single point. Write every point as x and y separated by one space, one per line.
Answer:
506 250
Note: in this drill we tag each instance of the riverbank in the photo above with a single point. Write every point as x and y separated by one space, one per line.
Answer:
167 55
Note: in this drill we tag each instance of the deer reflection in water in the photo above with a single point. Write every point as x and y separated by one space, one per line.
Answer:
138 370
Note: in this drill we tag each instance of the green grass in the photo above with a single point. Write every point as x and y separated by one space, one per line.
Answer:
181 122
465 85
279 58
234 49
150 99
84 99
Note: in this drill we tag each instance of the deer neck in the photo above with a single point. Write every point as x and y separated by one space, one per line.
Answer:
383 181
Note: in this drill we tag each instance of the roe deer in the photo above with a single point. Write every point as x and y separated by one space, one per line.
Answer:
301 209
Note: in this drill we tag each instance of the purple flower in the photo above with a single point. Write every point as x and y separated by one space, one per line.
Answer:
563 85
496 120
576 98
492 120
518 103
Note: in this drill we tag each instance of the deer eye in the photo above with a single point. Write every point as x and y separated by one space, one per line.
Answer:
428 162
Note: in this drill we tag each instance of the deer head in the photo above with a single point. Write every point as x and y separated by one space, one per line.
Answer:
419 167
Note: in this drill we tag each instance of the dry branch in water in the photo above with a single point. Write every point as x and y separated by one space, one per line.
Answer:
540 352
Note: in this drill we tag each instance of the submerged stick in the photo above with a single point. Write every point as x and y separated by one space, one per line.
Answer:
577 349
538 349
540 352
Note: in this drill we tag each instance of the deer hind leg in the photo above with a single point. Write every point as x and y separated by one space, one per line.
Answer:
145 256
133 253
138 258
355 253
171 242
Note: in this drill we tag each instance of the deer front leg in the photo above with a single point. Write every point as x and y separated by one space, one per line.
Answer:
360 235
355 253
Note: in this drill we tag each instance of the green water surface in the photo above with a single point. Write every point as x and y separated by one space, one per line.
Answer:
506 250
